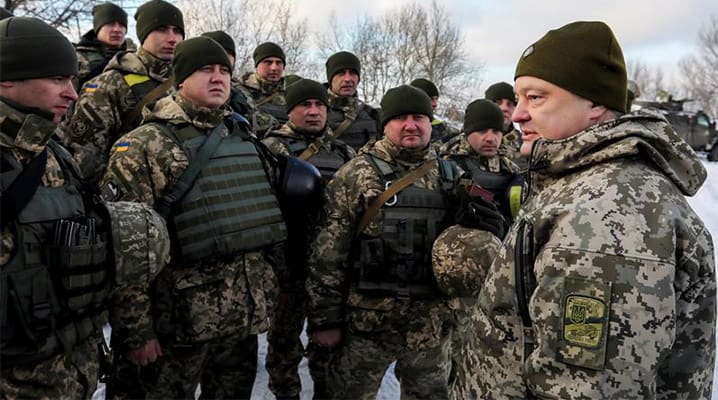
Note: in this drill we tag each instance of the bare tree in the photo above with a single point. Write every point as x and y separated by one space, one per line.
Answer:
700 71
650 80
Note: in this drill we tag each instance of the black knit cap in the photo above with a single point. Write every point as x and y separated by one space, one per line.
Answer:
302 90
427 86
224 40
193 54
154 14
268 49
32 49
483 114
404 99
583 58
500 90
107 13
4 13
340 61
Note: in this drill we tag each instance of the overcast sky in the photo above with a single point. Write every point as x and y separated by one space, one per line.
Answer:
655 32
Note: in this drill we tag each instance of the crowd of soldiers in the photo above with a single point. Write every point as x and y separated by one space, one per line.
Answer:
545 251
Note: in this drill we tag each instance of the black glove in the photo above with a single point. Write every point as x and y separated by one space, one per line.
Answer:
478 213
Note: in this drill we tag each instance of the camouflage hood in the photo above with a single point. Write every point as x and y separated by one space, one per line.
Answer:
643 134
142 63
177 109
289 130
391 153
28 130
251 80
344 103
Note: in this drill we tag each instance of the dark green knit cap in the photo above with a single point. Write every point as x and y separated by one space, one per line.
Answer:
291 78
193 54
155 14
224 40
483 114
302 90
268 49
32 49
583 58
500 90
427 86
340 61
107 13
402 100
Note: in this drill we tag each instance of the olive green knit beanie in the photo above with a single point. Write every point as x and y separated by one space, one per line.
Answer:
500 90
340 61
427 86
224 40
483 114
268 49
302 90
26 45
193 54
404 99
107 13
154 14
583 58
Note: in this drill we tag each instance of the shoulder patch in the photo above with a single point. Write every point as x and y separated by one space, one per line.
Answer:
91 87
122 146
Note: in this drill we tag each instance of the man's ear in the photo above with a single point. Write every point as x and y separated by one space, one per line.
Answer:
599 113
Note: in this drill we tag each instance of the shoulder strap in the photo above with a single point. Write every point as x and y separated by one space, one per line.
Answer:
22 188
313 148
153 95
348 120
186 180
393 189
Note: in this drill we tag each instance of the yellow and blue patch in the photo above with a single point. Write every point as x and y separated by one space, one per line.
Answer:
122 146
91 88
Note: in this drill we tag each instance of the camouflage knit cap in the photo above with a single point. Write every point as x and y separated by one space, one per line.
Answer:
340 61
500 90
427 86
402 100
193 54
4 13
583 58
224 40
32 49
302 90
155 14
268 49
483 114
107 13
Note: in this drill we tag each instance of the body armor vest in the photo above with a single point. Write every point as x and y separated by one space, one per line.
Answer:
398 262
278 111
327 162
230 208
53 290
364 128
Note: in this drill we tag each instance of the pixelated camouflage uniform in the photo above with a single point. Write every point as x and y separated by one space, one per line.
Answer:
461 258
94 55
605 286
206 314
376 330
105 101
67 365
511 146
365 126
267 101
285 349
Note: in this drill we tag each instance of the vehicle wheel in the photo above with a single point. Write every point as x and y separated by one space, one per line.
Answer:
713 155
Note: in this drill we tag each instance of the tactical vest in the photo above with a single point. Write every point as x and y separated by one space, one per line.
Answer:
506 186
230 208
53 291
327 162
397 263
278 111
364 129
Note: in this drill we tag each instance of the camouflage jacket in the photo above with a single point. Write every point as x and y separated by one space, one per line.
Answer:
333 300
32 137
266 99
93 55
511 146
104 103
143 165
605 285
365 126
274 141
459 146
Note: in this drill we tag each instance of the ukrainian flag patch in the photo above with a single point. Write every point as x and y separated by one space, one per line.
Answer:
122 146
90 88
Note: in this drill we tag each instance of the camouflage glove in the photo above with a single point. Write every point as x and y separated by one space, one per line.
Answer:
478 213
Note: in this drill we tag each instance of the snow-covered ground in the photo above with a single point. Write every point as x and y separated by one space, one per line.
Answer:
705 202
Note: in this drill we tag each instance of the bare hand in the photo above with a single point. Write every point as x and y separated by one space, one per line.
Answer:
329 338
146 354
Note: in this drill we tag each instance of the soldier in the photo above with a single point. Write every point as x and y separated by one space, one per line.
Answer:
372 292
56 239
503 95
264 88
476 151
111 103
349 118
306 136
99 45
605 284
439 130
218 290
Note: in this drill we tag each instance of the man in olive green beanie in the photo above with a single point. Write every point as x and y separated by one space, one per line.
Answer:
605 286
225 41
402 100
156 14
193 54
503 95
439 130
